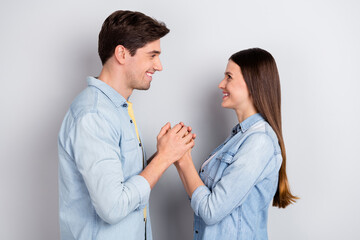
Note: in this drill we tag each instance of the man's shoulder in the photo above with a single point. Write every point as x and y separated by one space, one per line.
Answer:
91 105
85 102
91 100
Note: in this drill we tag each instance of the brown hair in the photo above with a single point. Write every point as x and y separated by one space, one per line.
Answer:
260 73
133 30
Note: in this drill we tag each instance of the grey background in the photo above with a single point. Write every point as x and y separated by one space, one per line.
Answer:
49 47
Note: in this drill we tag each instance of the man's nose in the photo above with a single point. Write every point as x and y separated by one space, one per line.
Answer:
158 65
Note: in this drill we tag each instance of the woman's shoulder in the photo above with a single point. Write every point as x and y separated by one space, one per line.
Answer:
262 133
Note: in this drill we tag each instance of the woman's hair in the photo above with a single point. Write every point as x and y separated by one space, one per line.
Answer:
131 29
260 73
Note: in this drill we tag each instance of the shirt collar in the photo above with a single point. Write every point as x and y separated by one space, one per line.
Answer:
111 93
247 123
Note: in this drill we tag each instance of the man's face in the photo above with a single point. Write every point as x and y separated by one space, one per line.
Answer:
143 65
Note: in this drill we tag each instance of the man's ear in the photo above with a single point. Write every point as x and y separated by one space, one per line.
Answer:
120 54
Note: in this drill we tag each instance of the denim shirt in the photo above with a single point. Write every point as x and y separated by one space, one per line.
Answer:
240 182
101 195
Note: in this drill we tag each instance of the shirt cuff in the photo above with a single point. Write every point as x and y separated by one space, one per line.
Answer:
198 195
143 188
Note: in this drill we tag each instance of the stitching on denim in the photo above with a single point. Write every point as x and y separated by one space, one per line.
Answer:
107 95
267 131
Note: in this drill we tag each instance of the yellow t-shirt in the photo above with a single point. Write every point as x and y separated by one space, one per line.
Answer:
131 114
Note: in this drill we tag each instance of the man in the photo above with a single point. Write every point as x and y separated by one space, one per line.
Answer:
104 182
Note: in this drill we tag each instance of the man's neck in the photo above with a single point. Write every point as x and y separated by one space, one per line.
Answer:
116 80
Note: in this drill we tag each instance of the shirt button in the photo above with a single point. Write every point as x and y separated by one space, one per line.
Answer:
130 121
139 144
202 170
234 131
196 232
124 105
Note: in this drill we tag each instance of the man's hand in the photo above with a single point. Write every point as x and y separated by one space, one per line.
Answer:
173 143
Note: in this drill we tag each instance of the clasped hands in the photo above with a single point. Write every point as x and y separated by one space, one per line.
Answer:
175 144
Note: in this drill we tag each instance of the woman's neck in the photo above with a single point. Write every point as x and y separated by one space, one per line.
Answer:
242 115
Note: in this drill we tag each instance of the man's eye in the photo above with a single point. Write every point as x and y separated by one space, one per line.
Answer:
229 77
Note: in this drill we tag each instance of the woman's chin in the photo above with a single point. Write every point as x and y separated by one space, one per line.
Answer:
224 105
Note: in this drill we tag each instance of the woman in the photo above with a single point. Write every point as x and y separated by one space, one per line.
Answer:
243 175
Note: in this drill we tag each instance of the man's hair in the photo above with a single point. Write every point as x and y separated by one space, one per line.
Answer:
130 29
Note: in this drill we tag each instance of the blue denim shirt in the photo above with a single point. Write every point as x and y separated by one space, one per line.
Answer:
101 195
240 183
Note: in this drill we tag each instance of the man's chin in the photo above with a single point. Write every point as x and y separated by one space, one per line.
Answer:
143 87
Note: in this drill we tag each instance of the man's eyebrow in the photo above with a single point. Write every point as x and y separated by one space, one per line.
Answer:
228 73
154 52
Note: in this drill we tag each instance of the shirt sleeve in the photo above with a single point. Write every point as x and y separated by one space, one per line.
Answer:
236 182
96 151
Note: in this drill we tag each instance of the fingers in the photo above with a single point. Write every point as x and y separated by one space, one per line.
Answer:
183 132
191 144
188 137
194 136
174 142
189 129
177 127
164 129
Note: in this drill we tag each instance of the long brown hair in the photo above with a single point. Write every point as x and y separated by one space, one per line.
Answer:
260 73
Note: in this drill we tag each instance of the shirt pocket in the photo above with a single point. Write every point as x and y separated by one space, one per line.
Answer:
221 163
131 158
227 157
128 145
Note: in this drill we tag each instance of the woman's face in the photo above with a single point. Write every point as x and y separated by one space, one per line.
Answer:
235 92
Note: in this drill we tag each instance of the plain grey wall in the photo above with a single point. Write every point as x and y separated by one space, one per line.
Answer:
49 47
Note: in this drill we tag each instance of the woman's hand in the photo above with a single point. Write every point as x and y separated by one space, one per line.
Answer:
173 143
186 159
